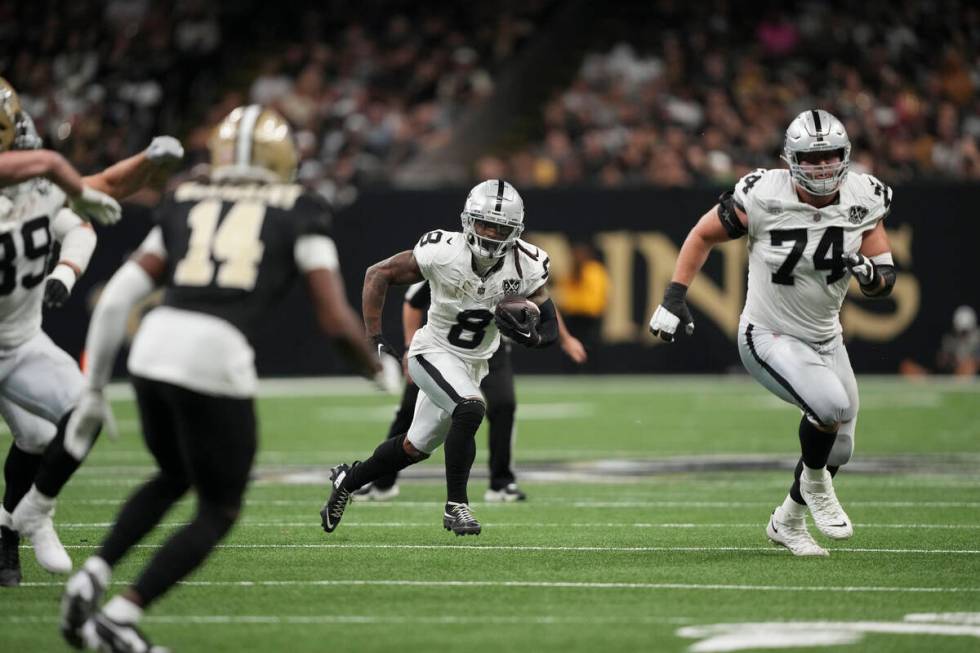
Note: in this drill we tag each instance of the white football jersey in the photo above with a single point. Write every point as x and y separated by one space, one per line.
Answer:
460 318
26 213
797 276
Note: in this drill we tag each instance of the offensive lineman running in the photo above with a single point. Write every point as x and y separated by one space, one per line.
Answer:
810 229
469 273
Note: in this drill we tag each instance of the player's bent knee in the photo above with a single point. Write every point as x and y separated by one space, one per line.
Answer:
841 453
171 486
414 454
220 518
470 411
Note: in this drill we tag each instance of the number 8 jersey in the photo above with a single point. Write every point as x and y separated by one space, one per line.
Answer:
460 318
797 277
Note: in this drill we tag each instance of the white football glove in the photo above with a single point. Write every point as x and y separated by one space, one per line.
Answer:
96 206
672 313
164 150
389 379
91 413
862 268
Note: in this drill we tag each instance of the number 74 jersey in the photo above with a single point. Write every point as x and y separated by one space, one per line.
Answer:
460 318
797 276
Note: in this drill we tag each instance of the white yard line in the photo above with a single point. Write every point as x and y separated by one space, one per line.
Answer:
561 502
524 525
569 549
372 619
554 585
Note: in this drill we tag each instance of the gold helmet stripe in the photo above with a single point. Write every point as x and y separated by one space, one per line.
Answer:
246 132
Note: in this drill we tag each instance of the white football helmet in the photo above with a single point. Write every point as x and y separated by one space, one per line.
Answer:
817 131
498 203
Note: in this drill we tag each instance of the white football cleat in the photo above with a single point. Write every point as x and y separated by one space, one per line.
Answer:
508 494
371 492
792 534
32 518
828 515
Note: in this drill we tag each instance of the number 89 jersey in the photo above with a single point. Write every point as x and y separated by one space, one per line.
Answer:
460 318
27 212
797 277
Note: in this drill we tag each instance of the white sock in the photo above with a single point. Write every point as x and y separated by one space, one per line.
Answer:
100 569
791 509
122 610
814 475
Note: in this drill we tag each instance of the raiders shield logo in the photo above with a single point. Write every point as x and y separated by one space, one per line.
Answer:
512 286
857 214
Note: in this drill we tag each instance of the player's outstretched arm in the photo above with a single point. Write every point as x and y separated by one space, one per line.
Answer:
122 179
131 283
398 270
19 166
709 231
339 321
569 344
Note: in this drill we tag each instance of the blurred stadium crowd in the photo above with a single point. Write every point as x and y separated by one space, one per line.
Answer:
667 93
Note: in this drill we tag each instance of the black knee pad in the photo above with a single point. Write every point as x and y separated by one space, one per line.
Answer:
470 412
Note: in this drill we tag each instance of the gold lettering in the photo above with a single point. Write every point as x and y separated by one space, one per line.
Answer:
617 252
281 196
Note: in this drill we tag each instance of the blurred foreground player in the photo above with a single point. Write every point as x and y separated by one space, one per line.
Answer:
46 206
226 252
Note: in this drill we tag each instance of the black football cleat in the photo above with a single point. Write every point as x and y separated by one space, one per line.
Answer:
9 557
458 519
334 508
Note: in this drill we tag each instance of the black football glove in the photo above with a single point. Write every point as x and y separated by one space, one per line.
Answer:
672 313
524 333
382 346
55 293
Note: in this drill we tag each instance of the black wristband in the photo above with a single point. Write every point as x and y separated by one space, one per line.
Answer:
675 291
382 345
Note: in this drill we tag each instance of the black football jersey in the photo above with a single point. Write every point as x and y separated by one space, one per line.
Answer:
230 248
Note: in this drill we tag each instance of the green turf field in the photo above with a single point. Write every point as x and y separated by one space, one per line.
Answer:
604 556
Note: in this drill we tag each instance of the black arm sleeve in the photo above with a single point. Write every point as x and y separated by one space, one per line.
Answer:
729 219
548 328
887 273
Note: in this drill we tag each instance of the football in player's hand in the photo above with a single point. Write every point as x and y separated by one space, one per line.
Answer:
521 310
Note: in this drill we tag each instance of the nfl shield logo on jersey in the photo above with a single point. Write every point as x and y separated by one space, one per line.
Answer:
512 286
857 214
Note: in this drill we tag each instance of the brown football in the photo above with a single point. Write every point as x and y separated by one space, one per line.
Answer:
522 309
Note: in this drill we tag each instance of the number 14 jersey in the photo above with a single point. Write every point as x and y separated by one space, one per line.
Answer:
460 318
797 277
